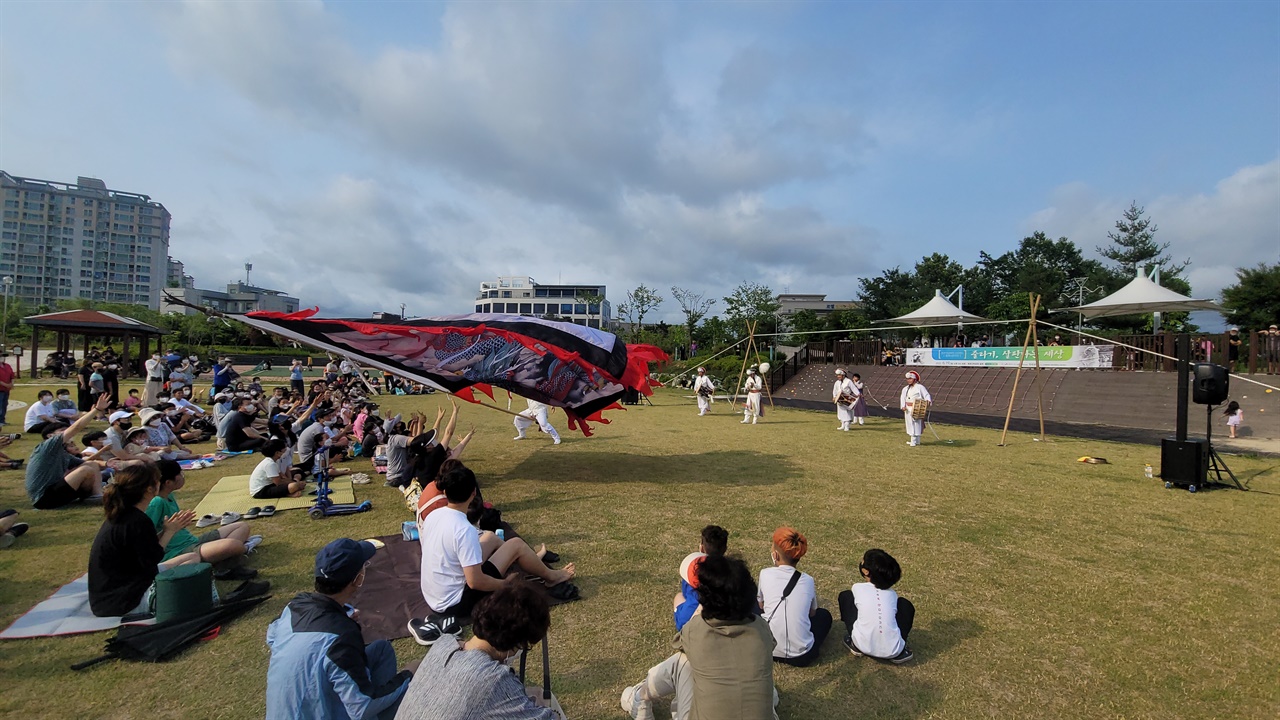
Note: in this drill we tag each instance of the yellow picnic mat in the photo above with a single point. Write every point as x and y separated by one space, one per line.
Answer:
232 493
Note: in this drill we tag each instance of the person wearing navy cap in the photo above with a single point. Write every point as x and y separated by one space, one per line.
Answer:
320 666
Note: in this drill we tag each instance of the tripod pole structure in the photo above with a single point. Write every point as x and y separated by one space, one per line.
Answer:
1022 358
746 354
1039 381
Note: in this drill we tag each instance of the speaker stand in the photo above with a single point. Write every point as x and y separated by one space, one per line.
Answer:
1217 465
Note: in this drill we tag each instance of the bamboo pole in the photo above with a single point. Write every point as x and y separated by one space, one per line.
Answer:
746 354
1031 329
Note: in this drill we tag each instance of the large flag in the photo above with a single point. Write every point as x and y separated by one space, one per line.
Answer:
577 368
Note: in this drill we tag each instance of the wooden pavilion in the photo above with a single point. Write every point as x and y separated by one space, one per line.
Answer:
92 324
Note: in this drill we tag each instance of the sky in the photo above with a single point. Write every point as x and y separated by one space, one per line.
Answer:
367 154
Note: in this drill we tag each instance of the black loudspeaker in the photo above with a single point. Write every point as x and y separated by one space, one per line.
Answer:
1210 385
1184 463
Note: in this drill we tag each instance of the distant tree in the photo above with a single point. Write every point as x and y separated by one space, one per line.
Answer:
713 333
750 301
1253 301
891 294
1133 247
936 272
695 306
641 301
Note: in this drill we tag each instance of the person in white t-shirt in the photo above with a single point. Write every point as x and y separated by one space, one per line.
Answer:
456 571
799 626
876 619
271 478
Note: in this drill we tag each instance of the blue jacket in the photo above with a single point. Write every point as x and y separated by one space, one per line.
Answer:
318 665
223 375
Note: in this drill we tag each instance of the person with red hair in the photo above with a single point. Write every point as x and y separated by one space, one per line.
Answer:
789 602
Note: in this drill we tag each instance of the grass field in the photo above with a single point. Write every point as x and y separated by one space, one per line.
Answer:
1044 587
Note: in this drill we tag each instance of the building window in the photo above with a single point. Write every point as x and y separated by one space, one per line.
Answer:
506 293
526 308
566 309
478 308
539 308
580 309
540 292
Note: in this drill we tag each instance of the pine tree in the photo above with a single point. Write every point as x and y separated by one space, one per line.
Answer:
1133 245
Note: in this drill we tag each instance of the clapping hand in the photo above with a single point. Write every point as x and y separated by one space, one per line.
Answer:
179 520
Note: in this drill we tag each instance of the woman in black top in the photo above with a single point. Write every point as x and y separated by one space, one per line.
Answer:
83 397
126 554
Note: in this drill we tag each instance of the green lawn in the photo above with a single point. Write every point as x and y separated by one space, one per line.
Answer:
1044 587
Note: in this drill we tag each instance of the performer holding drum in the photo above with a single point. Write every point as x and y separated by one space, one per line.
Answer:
704 389
914 402
753 386
843 395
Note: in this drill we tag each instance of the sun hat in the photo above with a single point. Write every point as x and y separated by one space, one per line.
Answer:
148 414
689 567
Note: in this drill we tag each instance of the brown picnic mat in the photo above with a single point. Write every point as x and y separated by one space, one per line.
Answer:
392 595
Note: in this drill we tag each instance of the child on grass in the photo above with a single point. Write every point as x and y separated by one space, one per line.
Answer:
132 403
876 620
1235 416
789 602
715 541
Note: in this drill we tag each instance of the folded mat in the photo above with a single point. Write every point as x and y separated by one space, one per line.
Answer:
66 612
392 595
232 493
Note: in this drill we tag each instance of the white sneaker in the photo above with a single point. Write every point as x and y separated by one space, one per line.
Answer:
634 702
556 441
518 437
744 421
253 542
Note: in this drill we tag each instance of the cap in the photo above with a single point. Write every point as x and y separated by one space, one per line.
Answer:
342 559
425 441
119 415
689 567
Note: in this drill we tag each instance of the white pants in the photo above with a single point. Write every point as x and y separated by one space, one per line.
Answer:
704 405
915 428
673 678
751 409
526 420
844 413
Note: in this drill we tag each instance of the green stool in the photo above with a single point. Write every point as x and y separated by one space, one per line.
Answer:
184 591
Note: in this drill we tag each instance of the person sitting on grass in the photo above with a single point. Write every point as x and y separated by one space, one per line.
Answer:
238 428
95 446
456 572
56 474
320 666
42 415
790 603
269 479
6 462
876 620
10 528
131 403
715 541
221 546
160 434
473 679
121 423
135 443
723 665
65 407
127 555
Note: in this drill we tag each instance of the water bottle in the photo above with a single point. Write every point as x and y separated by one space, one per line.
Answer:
502 535
1148 471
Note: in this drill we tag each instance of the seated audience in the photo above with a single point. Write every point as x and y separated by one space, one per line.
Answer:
42 415
473 679
131 403
715 541
723 665
135 443
56 474
65 407
269 479
121 423
238 428
10 528
161 435
789 602
876 620
221 546
456 571
127 554
320 667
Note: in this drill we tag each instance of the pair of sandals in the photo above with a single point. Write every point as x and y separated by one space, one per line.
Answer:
257 512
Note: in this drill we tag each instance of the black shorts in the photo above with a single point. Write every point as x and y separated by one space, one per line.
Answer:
58 495
272 491
471 597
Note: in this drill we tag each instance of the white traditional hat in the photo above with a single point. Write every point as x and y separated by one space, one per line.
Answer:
751 370
913 375
839 371
689 567
702 369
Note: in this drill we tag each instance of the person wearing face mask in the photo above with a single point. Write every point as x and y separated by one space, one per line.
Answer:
238 429
155 379
320 666
56 474
42 415
472 679
64 406
121 422
159 434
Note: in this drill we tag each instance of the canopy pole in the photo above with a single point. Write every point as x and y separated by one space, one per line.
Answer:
1031 330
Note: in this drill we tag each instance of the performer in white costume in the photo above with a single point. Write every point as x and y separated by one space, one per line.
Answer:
753 386
704 389
914 393
537 413
843 393
859 409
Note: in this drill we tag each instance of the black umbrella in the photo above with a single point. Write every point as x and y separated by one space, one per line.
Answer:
162 641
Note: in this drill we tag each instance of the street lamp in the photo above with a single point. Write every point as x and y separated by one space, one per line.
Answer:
402 311
4 334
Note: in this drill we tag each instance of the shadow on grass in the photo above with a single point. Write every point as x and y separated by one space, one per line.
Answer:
751 468
932 641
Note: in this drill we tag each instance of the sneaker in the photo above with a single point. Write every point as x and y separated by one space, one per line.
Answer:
904 656
424 632
448 624
253 542
556 442
239 572
635 703
360 479
853 649
518 437
229 517
208 520
19 529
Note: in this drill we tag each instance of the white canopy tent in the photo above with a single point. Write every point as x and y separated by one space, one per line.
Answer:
1141 296
938 311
